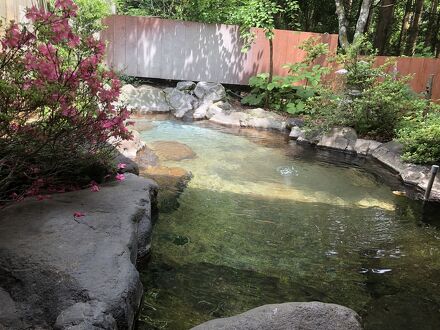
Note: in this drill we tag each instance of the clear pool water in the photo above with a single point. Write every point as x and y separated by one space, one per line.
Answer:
264 220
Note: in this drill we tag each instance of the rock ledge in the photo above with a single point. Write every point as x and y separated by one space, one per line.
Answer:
58 272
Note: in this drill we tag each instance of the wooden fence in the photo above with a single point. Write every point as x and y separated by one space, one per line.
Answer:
178 50
14 9
421 69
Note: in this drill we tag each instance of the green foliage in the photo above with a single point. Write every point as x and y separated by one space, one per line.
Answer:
358 59
259 14
314 49
372 99
420 136
288 93
206 11
89 15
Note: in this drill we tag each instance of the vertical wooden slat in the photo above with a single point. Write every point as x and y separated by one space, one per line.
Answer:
131 53
120 44
9 10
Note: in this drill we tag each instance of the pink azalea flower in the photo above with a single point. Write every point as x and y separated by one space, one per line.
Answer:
121 166
79 214
94 187
120 177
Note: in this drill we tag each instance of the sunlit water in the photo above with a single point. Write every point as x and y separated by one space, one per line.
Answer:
266 221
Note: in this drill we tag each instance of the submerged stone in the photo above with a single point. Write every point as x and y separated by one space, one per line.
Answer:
146 157
288 316
172 150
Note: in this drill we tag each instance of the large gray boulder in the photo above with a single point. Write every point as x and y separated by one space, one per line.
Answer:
260 118
186 85
181 102
70 272
208 91
144 99
289 316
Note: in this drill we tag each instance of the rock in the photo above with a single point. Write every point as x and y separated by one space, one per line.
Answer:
186 85
168 177
144 99
9 316
311 137
130 165
295 133
172 182
207 91
129 148
226 106
181 102
419 176
389 154
289 316
213 109
201 111
343 139
255 118
208 110
146 157
292 122
259 118
51 261
366 147
231 119
91 315
172 150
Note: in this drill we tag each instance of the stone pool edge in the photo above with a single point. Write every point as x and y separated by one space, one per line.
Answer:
61 272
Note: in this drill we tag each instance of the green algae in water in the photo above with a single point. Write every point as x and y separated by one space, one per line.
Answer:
257 226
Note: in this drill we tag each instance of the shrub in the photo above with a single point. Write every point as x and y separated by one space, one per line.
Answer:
372 100
420 136
291 92
57 107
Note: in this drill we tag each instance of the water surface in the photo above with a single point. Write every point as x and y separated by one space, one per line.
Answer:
266 221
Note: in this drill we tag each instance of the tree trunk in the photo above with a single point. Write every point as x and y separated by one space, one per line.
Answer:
414 29
363 18
436 40
384 25
405 26
432 27
342 20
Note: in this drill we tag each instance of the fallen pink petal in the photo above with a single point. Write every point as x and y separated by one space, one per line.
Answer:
120 177
79 214
121 166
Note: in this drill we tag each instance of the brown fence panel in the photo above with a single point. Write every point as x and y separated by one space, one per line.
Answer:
420 68
178 50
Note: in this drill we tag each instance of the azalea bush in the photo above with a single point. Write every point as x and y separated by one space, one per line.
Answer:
57 106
